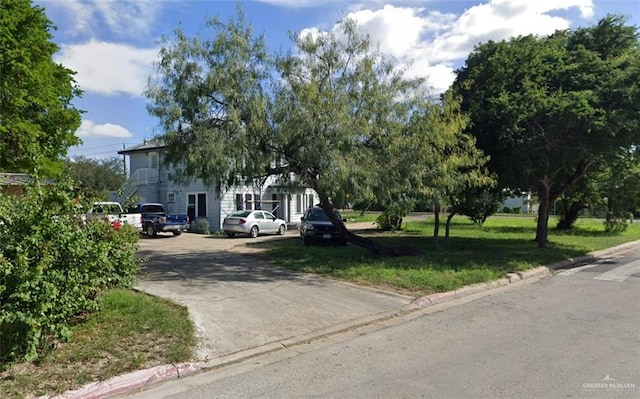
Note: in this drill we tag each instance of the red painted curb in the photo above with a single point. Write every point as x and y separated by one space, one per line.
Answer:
128 382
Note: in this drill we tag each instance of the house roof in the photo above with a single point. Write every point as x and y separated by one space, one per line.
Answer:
147 145
13 179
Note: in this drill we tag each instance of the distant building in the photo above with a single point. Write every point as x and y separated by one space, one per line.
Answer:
12 183
525 204
149 182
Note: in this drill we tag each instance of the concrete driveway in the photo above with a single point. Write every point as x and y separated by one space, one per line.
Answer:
241 304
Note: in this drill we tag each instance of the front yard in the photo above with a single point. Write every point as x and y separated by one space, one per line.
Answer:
134 330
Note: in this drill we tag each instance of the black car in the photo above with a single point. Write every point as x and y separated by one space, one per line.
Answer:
316 227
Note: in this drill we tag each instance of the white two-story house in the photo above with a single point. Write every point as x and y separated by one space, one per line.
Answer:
149 182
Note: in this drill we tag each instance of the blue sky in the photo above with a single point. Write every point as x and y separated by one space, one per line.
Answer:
112 44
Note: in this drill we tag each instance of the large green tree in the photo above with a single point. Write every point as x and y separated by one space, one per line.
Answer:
548 109
327 114
37 118
94 178
613 184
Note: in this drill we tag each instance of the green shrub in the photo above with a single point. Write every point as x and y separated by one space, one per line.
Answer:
390 220
53 265
615 224
506 209
199 226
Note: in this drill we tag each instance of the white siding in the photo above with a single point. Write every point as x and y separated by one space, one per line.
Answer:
219 207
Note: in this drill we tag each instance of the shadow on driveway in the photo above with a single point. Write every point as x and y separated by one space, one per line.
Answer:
239 302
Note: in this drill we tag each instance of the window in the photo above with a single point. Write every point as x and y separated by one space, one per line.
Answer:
152 208
310 204
257 204
153 160
248 202
258 215
239 203
171 197
299 203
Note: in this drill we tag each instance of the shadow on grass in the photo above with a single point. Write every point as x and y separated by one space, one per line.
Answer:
498 255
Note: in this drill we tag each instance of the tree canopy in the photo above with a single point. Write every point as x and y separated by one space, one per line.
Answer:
330 114
547 109
94 178
37 119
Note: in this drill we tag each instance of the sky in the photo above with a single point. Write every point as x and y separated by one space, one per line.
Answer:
112 44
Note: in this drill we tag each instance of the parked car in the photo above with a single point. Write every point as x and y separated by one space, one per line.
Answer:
253 223
156 220
112 213
316 227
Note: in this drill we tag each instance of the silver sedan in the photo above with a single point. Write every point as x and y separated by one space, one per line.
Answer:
253 223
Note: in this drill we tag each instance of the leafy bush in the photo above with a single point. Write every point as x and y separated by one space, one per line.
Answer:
615 224
506 209
199 226
390 220
53 265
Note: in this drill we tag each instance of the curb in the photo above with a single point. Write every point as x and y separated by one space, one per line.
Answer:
146 377
129 382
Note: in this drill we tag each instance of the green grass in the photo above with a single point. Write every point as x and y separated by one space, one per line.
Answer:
504 244
132 331
356 216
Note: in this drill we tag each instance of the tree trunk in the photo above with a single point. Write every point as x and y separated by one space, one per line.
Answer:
363 242
365 209
570 215
436 224
448 228
543 217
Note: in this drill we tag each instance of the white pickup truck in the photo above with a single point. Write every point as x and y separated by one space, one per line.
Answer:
112 213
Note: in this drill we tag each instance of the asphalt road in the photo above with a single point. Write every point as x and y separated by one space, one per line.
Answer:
575 334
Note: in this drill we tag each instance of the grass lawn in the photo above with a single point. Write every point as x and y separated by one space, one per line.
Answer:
356 216
132 331
504 244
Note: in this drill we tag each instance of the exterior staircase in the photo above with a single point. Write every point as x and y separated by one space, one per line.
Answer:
139 177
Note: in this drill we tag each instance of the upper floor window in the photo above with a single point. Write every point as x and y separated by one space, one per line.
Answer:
153 160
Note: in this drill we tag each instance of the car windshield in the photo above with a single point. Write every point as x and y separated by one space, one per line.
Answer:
241 214
318 215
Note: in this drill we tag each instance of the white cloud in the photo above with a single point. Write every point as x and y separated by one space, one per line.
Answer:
109 68
431 43
396 29
120 17
90 129
128 17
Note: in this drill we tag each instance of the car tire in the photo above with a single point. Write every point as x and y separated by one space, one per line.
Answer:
177 232
254 231
282 229
230 234
151 230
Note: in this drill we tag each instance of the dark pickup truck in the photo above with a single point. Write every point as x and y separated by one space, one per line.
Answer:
156 220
